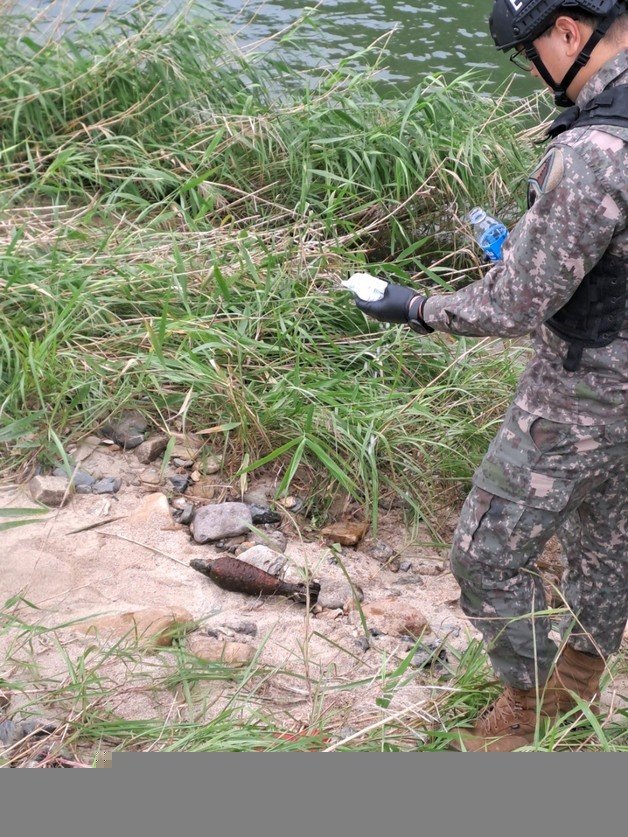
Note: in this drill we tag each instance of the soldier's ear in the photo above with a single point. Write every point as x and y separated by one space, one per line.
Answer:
570 34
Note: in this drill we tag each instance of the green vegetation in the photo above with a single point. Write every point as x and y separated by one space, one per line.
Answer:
176 216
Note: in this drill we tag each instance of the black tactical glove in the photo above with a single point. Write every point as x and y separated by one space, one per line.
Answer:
398 305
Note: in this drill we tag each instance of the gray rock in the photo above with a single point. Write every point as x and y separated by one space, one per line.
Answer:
8 733
81 479
127 431
153 447
230 545
430 654
83 482
51 491
258 496
210 465
264 514
179 482
385 554
363 643
274 540
221 631
37 726
182 463
336 593
187 448
264 558
12 731
380 551
151 477
220 520
107 485
405 566
449 629
246 628
184 515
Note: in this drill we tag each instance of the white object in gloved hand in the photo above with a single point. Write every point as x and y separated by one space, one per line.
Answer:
368 288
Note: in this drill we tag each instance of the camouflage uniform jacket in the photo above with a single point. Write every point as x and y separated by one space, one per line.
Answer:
580 212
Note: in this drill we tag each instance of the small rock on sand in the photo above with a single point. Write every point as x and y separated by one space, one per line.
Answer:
107 485
274 540
206 488
210 465
346 532
179 482
128 430
81 479
220 651
264 558
222 520
153 447
151 477
394 617
337 594
264 514
51 491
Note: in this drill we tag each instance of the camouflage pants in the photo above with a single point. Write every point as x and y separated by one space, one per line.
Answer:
541 478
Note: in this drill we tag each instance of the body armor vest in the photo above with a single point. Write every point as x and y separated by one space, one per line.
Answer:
593 317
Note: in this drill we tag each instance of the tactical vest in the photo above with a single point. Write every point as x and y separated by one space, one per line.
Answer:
594 315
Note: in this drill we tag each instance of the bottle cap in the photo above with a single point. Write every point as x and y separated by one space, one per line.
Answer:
476 215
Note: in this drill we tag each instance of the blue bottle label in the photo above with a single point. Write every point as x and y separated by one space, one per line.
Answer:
492 241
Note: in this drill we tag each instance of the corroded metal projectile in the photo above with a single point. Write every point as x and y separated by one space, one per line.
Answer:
239 577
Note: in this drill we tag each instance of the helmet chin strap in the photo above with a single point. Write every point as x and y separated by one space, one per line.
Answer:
561 98
560 95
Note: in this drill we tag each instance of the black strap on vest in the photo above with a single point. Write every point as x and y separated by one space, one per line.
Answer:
608 108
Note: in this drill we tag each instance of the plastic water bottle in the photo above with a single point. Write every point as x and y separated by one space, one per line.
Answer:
489 233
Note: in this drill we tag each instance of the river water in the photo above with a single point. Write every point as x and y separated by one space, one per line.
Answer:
446 36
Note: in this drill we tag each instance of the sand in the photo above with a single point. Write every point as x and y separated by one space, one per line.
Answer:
316 670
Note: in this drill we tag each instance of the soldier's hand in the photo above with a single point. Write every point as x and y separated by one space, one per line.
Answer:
398 305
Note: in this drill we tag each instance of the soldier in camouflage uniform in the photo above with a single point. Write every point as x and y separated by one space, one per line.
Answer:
558 463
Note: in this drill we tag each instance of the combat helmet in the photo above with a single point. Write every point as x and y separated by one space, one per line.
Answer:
515 24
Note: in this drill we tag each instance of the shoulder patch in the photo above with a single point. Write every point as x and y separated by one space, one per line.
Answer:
547 175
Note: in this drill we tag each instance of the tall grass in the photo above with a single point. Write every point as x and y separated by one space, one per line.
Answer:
175 217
